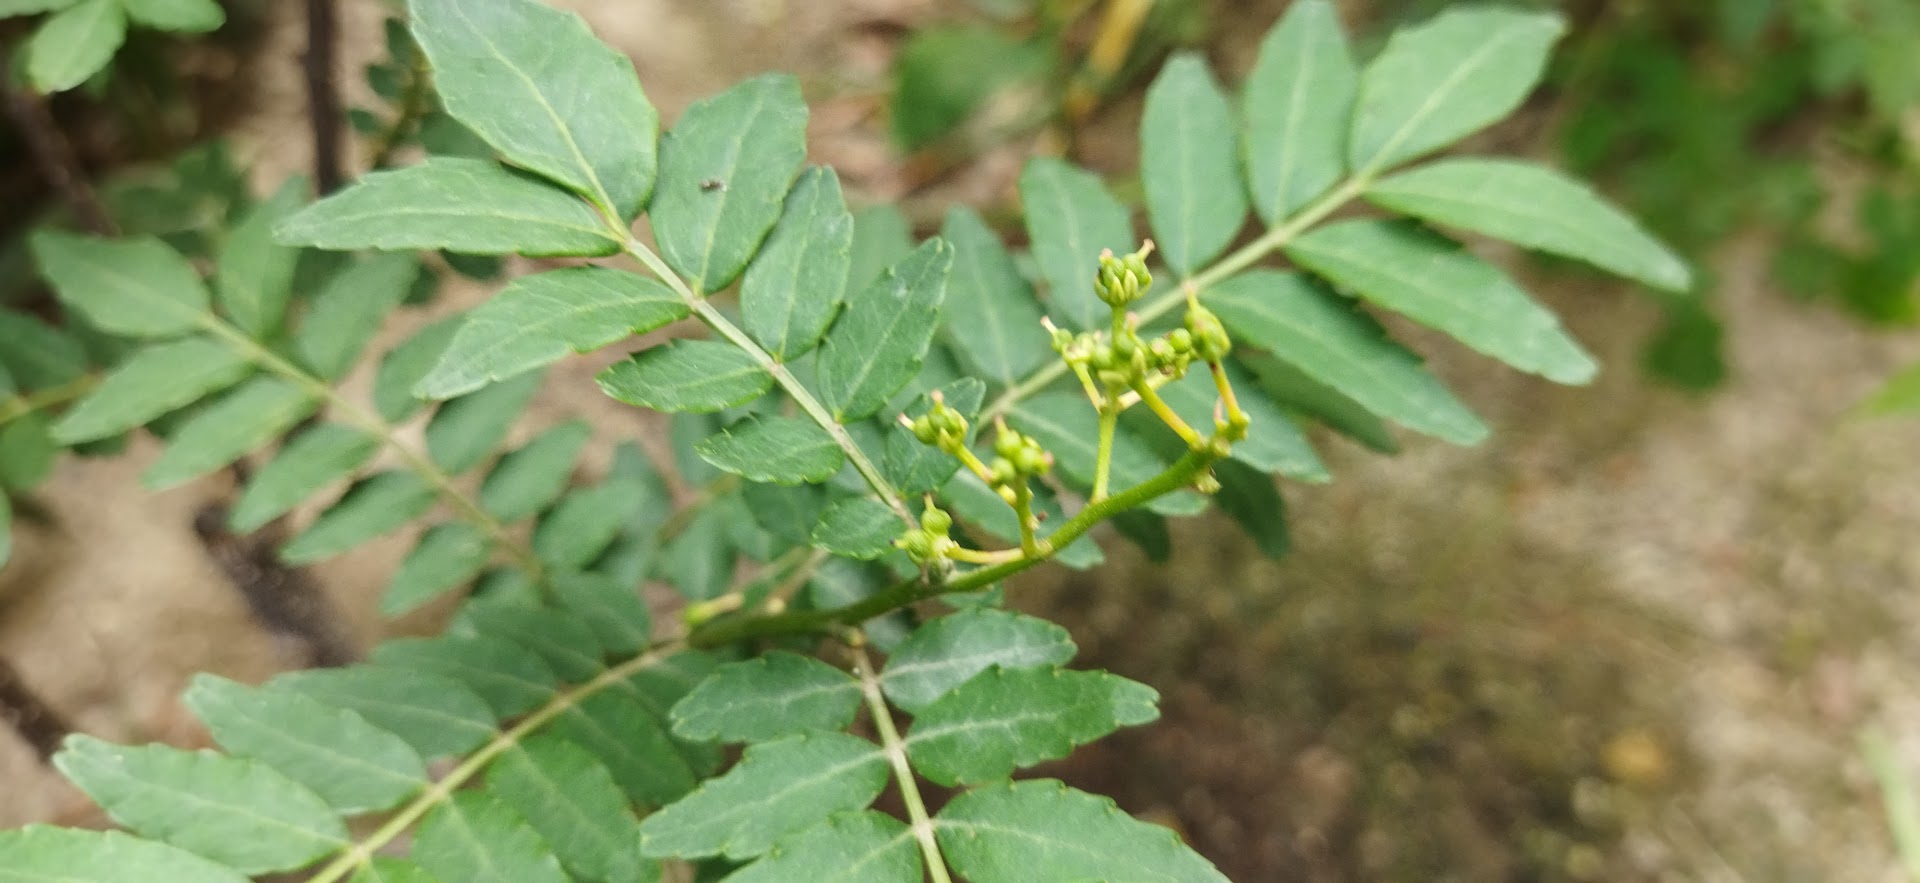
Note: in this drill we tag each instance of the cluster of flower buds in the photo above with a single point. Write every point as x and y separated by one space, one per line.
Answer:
1122 280
942 426
1207 337
930 543
1016 458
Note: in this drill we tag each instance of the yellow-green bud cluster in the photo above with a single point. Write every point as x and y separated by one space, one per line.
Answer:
1123 280
1016 458
930 542
1209 337
942 426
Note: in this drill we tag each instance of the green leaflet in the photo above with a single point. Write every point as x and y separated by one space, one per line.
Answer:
632 745
348 310
39 355
374 506
564 641
76 43
155 381
917 468
946 73
528 480
614 612
882 236
793 287
877 347
1435 282
136 287
536 84
384 869
1188 165
476 838
1065 423
1250 498
993 319
402 368
253 276
701 376
781 450
857 527
850 847
464 205
573 802
788 512
41 852
699 563
191 16
510 678
235 425
724 171
1292 389
1072 218
437 715
27 452
777 789
951 650
1001 720
537 320
1335 344
448 555
1043 830
353 765
586 520
468 429
1274 443
1536 207
240 813
312 460
1440 81
761 699
1297 103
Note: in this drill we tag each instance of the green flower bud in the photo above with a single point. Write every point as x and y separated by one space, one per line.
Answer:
1006 443
1003 470
936 520
1181 340
1162 352
924 431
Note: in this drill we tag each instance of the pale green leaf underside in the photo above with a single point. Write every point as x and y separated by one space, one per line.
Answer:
138 287
1065 423
777 450
39 853
448 555
348 311
878 346
1003 719
1536 207
155 380
633 745
231 427
992 319
1043 830
1297 102
566 643
253 275
700 376
1188 165
1435 282
1072 218
405 365
537 320
857 527
949 651
76 43
38 354
435 714
475 838
1335 344
778 788
386 869
463 205
312 460
850 847
793 287
373 507
757 700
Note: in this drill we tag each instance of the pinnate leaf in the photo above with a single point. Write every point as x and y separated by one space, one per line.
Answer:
253 276
447 555
882 235
993 320
76 43
761 699
348 310
779 450
857 527
436 715
563 640
529 479
573 802
1072 218
1293 389
1043 830
510 678
615 613
586 520
374 506
1297 103
70 855
468 429
155 380
632 745
687 375
477 838
951 650
232 427
402 368
240 813
778 788
793 287
849 847
537 320
312 460
1191 173
878 346
463 205
1003 719
138 287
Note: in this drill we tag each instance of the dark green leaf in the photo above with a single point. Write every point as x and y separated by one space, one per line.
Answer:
787 512
781 450
882 236
699 563
1297 105
435 714
475 838
877 347
136 287
27 452
917 468
374 506
633 746
537 320
850 847
448 555
156 380
253 277
573 802
614 612
1249 497
758 700
1043 830
1072 218
348 311
993 319
687 375
586 520
858 527
465 431
564 640
464 205
1294 390
192 16
529 479
793 287
405 365
39 355
1067 426
537 85
951 650
235 425
777 789
1189 167
40 852
510 678
947 73
74 44
1001 720
312 460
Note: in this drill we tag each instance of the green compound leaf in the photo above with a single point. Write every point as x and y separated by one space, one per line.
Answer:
614 612
374 506
353 765
777 789
1297 104
189 16
468 429
243 814
586 520
537 320
154 381
536 84
41 852
436 715
1274 443
402 368
778 450
565 642
240 422
631 743
474 837
758 700
857 527
1072 218
76 43
1435 282
1336 344
700 376
448 555
1066 425
1536 207
882 236
573 802
392 870
1043 830
253 277
1001 720
1440 81
530 479
1188 166
724 172
951 650
878 346
916 468
463 205
849 847
137 287
993 319
347 312
312 460
510 678
793 288
39 355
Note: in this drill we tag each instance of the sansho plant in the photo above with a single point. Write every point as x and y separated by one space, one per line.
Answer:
872 398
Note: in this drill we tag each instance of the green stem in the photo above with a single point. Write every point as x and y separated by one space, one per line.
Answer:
16 407
1240 259
476 763
1023 508
1166 414
1103 457
795 390
896 751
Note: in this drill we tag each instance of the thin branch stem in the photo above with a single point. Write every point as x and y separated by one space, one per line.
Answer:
896 751
323 94
16 407
1103 456
476 763
1166 414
